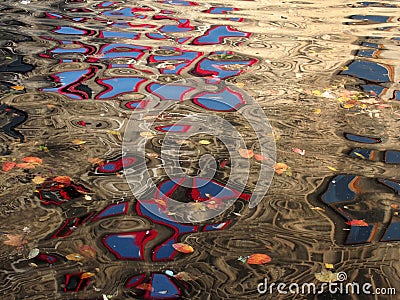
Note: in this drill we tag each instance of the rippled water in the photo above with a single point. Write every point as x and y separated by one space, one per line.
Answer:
326 74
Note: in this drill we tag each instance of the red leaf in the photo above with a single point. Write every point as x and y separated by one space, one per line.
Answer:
258 259
357 223
8 165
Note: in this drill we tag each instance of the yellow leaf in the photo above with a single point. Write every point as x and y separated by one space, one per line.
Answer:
329 266
332 168
317 93
18 87
78 142
113 132
348 105
204 142
147 134
317 111
359 155
240 84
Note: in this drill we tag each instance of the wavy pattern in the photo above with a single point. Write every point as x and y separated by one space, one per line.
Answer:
86 65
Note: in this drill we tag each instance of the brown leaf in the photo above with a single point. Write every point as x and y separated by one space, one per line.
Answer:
87 251
96 161
8 165
15 240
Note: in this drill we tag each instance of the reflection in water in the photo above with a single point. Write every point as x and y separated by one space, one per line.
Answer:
113 55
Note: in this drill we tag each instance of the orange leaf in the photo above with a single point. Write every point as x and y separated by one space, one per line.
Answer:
25 166
78 142
184 248
32 160
87 250
18 87
87 275
8 165
245 153
357 223
74 257
280 168
144 286
258 259
63 179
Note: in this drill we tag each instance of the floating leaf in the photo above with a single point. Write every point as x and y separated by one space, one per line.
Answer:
78 142
62 179
114 132
96 161
332 168
258 259
18 87
348 105
87 251
317 111
184 248
326 276
33 253
144 286
204 142
25 166
74 257
8 165
359 155
184 276
87 275
38 179
259 157
245 153
299 151
16 240
32 160
147 134
280 168
360 223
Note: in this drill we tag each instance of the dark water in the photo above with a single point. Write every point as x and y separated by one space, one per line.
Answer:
71 74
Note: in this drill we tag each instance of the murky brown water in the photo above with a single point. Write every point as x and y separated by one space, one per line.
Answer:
72 72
